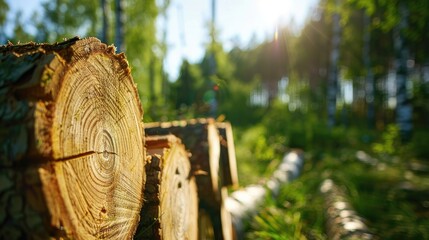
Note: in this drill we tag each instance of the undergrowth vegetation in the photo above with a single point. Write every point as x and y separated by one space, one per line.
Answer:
386 181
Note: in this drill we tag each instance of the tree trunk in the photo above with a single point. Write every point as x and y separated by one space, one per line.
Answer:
245 203
201 138
105 16
404 112
68 114
370 83
171 207
333 69
119 28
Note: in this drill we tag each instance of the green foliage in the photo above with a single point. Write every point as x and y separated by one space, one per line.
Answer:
419 145
4 8
142 49
263 151
272 221
391 197
254 156
376 193
186 93
306 130
19 32
389 144
390 141
222 64
235 105
61 19
68 18
296 213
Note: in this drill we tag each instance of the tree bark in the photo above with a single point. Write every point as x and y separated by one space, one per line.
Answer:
68 114
228 162
201 138
171 207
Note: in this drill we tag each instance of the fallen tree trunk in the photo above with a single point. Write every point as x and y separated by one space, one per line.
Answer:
68 114
171 202
244 203
342 221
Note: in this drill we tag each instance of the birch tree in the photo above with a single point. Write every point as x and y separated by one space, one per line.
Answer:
333 68
403 108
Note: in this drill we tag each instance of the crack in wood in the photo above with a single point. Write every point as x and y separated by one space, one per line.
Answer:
85 154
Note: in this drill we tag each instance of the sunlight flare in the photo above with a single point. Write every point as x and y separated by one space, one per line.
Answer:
274 11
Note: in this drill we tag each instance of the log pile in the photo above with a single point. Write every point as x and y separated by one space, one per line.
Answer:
213 164
201 138
75 162
171 207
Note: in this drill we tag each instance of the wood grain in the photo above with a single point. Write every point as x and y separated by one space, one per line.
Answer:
201 139
171 207
71 118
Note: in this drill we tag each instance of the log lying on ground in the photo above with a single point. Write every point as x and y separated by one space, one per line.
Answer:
170 210
342 222
201 139
68 115
245 203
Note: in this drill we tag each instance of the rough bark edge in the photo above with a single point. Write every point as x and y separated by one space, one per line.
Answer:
159 147
46 78
201 169
55 59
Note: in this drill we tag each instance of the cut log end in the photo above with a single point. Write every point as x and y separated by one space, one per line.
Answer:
201 138
83 114
171 207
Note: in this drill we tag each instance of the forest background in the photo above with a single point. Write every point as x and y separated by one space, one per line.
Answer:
354 76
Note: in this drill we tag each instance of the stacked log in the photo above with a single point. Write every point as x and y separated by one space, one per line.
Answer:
171 207
68 114
73 160
202 139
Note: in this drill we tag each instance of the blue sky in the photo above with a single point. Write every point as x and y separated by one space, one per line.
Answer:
237 20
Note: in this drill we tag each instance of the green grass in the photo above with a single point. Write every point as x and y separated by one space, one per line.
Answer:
255 158
392 198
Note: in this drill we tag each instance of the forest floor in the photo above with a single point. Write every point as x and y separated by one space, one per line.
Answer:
391 192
